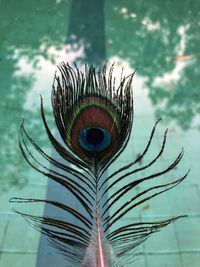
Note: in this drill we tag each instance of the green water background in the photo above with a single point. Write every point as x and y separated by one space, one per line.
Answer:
163 38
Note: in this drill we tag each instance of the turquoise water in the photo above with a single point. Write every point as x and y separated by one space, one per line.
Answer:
162 37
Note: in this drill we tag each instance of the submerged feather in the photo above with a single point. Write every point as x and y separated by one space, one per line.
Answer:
94 119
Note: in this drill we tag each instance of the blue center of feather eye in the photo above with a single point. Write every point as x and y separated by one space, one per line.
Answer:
94 139
94 136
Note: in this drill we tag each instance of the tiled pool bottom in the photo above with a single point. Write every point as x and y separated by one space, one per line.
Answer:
177 245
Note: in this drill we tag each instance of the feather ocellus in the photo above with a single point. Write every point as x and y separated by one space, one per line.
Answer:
94 118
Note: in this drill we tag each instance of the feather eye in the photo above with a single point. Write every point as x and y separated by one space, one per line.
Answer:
94 118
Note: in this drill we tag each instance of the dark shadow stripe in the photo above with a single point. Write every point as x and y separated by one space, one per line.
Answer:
86 28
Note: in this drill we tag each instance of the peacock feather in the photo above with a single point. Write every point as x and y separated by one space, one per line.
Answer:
94 119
